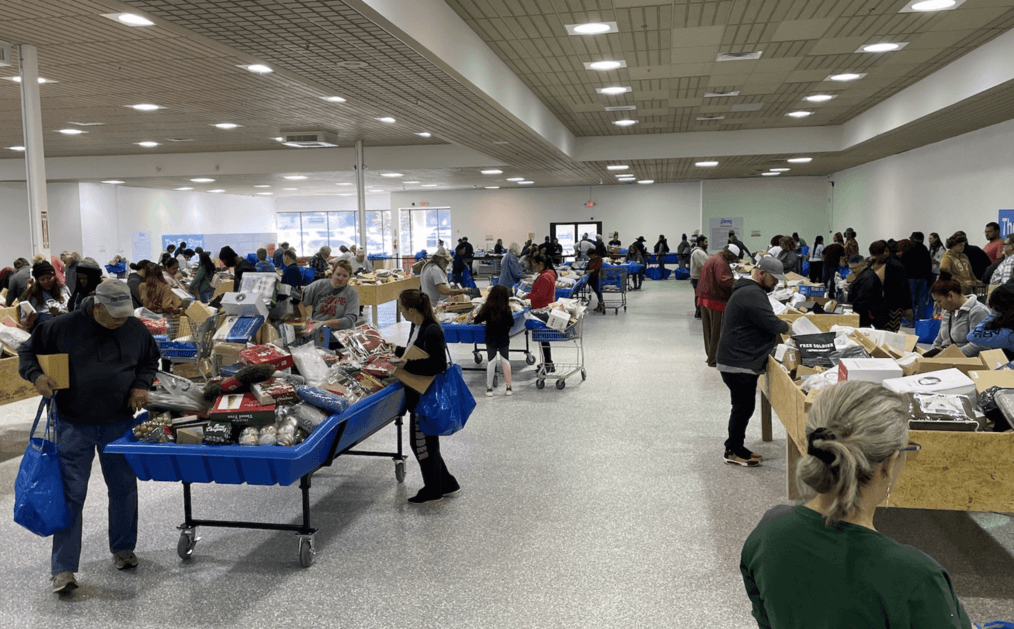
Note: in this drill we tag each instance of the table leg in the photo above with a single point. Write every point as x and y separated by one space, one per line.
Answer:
765 418
397 313
375 315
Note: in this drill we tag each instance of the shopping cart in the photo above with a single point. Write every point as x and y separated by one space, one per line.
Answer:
189 342
573 337
613 286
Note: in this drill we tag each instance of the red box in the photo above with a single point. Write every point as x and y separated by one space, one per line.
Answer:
274 392
242 409
267 355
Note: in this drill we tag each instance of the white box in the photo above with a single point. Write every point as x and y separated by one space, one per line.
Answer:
946 381
868 369
558 320
245 305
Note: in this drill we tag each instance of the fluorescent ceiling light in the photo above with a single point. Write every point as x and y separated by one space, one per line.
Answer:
492 171
515 179
130 19
295 177
646 181
932 5
387 119
626 176
592 28
258 68
739 56
706 164
290 189
884 47
799 114
114 182
624 123
16 148
525 183
333 99
846 76
262 185
501 142
391 175
779 170
820 98
203 180
42 81
343 184
279 139
720 94
346 195
148 145
770 174
410 182
184 188
72 131
622 108
217 190
800 160
226 125
424 134
604 65
492 187
145 107
616 89
430 185
617 167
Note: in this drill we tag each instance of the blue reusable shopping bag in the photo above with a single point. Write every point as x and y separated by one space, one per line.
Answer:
39 503
446 405
927 330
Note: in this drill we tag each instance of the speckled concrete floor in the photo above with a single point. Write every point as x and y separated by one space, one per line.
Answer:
605 504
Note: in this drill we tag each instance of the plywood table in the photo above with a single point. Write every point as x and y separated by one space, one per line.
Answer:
376 294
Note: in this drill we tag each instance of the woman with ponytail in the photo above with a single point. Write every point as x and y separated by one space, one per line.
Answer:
823 564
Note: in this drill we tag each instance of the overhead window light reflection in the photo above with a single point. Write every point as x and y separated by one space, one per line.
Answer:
846 76
430 185
800 160
391 175
515 179
265 194
295 177
611 91
348 184
183 189
604 65
408 182
492 187
617 167
72 131
114 182
16 148
145 107
258 68
820 98
525 183
706 164
203 180
386 119
779 170
290 189
592 28
646 181
770 174
333 99
148 145
424 134
226 125
491 171
217 190
42 80
262 185
799 114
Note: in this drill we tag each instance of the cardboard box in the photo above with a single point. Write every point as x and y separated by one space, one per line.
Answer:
57 367
226 353
245 305
242 409
945 381
558 320
193 435
199 312
868 369
986 379
274 391
267 355
12 387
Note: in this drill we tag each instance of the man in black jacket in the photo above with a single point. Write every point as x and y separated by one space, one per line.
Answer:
918 268
880 294
113 360
750 331
739 243
239 265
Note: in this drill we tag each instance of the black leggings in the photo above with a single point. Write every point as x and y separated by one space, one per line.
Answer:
546 352
436 478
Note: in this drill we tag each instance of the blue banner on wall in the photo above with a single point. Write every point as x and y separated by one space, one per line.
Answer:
1006 220
192 240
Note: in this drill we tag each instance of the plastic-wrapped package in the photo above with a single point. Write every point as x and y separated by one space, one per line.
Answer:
820 381
286 431
364 341
155 429
935 411
307 416
267 436
13 337
309 363
248 436
322 399
177 394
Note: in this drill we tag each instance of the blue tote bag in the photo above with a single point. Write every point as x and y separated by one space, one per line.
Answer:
446 405
39 503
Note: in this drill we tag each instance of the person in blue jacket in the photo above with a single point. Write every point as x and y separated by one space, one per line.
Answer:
510 267
997 330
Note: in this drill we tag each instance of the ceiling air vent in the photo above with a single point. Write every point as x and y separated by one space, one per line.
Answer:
309 139
739 56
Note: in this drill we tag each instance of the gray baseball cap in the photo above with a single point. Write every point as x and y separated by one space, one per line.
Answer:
115 296
772 265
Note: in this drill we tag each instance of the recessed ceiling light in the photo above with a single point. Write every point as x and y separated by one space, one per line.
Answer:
424 134
391 175
216 190
617 167
430 185
800 160
626 179
387 119
203 180
492 187
410 182
262 185
491 171
184 188
114 182
770 174
145 107
820 98
346 195
592 28
622 108
739 56
525 183
799 114
16 148
933 5
42 81
616 89
258 68
779 170
265 193
646 181
846 76
721 94
130 19
515 179
624 123
72 131
604 65
706 164
148 145
226 125
295 177
884 47
333 99
290 189
278 139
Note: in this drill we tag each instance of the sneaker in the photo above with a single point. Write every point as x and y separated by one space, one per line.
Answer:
734 459
747 454
125 559
422 498
64 582
509 392
489 392
452 490
550 368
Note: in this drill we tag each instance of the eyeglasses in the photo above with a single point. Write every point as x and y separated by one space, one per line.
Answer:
911 450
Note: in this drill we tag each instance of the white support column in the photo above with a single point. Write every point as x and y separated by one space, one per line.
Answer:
361 191
35 156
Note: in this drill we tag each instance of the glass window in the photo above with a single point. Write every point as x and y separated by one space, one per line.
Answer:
424 228
565 234
314 231
343 229
379 232
289 231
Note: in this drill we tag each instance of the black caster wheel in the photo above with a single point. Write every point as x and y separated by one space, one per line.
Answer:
584 374
185 547
540 384
306 552
478 357
560 384
496 380
399 471
530 359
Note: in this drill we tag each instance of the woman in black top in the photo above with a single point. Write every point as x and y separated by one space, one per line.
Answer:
499 319
427 335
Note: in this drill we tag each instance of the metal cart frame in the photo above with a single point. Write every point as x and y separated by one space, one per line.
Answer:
561 370
613 276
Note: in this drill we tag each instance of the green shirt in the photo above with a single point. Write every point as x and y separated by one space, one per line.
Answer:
800 574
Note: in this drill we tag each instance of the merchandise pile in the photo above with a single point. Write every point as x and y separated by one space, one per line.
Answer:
559 315
379 276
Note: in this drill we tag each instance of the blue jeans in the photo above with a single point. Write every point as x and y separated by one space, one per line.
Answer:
920 298
206 295
77 447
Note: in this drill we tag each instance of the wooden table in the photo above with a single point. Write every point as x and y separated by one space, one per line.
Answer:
376 294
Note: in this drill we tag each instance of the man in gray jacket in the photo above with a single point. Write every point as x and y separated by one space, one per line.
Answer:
750 331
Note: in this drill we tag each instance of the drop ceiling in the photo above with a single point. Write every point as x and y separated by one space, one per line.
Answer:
189 63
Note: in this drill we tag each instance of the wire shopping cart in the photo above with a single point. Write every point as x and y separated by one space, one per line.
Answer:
613 286
570 339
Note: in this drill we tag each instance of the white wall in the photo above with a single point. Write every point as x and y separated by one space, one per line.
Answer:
64 220
770 205
512 213
332 203
956 184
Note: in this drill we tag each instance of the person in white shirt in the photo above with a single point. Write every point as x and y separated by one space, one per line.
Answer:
697 259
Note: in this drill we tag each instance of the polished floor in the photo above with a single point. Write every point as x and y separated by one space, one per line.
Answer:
605 504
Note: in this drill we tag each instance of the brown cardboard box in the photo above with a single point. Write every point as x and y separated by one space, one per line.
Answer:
194 435
993 358
12 387
226 353
199 312
226 286
57 367
986 379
